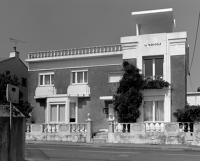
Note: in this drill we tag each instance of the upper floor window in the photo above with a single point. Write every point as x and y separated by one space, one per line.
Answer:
114 77
80 77
153 67
46 79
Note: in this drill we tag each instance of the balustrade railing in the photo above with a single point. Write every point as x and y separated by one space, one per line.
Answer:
154 126
55 128
122 127
71 52
186 126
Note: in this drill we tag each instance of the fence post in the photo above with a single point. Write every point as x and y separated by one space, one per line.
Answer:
89 129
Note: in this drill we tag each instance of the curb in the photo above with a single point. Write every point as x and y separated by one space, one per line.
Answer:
125 145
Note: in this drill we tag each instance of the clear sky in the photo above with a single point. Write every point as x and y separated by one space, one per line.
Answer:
61 24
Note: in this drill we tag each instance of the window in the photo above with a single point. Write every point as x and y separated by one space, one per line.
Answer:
24 82
72 111
46 79
153 67
114 77
57 113
154 110
79 77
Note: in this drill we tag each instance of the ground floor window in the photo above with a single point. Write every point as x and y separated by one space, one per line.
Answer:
153 110
72 111
57 112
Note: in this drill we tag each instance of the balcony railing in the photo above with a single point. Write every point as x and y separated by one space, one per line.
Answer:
74 52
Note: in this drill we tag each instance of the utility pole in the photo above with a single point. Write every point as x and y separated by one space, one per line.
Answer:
15 42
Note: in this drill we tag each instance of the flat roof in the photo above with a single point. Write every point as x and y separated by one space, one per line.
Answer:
142 17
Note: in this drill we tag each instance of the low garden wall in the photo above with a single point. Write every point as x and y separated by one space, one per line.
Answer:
81 132
154 133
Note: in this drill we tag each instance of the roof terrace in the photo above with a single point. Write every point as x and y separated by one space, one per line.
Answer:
75 52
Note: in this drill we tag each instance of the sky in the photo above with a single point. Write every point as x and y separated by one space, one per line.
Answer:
43 25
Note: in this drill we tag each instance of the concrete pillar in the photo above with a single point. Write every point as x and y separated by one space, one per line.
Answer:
89 129
111 126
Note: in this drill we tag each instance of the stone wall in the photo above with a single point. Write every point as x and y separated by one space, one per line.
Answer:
155 133
59 132
17 139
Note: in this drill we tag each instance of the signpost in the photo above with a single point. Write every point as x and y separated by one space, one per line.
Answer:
12 95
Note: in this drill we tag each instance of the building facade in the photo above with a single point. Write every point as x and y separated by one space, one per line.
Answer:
66 85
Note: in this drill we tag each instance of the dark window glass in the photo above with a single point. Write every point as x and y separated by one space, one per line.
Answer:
85 77
52 79
24 82
41 79
148 67
159 67
73 77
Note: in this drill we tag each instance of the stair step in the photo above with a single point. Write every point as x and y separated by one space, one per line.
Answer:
99 140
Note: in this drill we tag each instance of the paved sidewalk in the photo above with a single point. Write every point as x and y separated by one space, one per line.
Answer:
125 145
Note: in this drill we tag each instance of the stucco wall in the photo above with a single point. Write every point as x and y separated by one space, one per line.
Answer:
76 62
178 83
99 86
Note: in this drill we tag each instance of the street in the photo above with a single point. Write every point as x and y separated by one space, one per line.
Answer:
65 152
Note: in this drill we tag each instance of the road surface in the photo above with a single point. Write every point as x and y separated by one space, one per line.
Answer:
65 152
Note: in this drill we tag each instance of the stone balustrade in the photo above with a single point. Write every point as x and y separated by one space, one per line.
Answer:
154 133
72 132
74 51
56 128
152 126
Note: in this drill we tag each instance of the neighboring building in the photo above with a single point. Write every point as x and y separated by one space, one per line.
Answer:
193 98
15 66
66 85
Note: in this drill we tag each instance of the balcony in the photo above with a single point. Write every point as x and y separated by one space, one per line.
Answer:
44 91
78 90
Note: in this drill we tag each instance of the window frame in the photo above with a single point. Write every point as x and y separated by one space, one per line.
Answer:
57 112
153 58
76 77
43 79
153 112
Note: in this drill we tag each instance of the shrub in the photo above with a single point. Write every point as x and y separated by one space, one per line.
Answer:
190 113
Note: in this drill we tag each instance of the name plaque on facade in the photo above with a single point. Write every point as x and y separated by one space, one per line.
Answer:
153 44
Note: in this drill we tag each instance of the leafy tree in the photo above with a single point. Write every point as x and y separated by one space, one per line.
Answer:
128 97
7 78
188 114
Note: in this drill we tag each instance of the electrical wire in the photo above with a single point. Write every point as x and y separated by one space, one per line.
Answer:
195 42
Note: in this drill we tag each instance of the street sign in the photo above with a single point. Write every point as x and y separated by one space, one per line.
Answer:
12 93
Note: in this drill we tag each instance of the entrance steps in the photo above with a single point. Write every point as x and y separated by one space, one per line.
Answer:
100 137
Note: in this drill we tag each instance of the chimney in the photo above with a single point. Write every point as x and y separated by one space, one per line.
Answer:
14 53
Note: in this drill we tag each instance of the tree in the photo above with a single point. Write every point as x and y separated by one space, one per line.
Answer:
128 97
7 78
